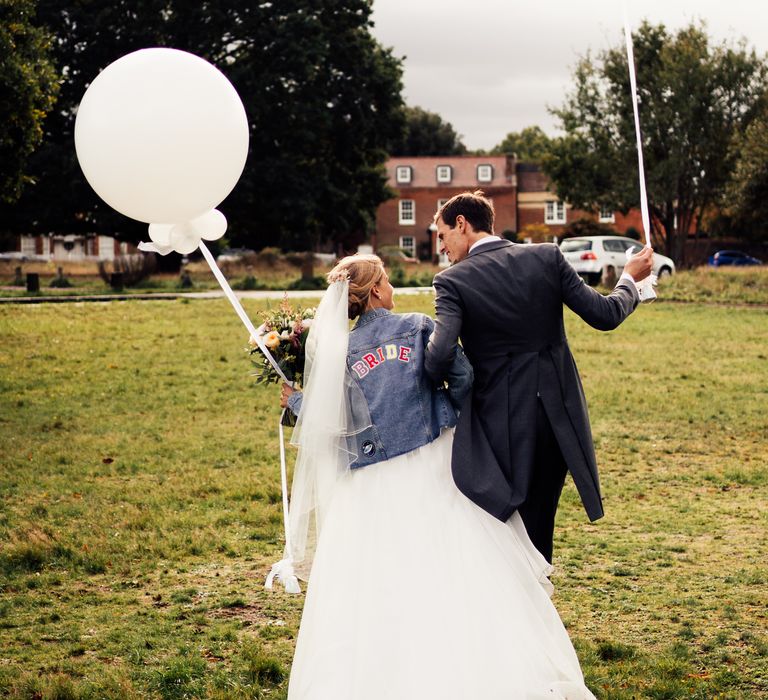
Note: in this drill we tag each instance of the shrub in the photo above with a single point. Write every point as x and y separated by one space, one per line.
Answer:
269 256
60 283
249 282
397 276
316 282
422 279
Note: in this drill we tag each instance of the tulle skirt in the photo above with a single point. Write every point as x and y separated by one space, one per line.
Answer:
416 593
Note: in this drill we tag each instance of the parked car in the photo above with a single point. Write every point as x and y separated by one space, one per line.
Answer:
593 256
16 256
234 254
732 257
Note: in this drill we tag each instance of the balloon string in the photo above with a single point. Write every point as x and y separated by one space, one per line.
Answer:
241 311
640 165
291 583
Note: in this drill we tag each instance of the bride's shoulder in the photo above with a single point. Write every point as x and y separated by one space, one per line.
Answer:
416 319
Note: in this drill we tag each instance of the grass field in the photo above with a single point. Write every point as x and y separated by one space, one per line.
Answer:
140 506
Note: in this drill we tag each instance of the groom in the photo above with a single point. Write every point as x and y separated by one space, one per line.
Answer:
525 423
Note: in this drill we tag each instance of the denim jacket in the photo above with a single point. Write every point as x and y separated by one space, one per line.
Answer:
385 358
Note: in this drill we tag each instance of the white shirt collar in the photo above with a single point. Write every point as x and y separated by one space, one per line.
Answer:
483 241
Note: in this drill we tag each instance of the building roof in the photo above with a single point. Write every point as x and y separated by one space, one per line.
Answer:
463 171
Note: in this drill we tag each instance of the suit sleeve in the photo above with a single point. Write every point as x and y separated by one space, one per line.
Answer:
602 312
441 348
460 374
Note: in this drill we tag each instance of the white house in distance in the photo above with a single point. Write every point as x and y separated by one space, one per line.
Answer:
73 247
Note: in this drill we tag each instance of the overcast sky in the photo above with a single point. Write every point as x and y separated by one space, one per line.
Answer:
494 66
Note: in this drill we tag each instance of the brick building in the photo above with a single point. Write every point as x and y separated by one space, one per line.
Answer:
423 183
521 195
537 204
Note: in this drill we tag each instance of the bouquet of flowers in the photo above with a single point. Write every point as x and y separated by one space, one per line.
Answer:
284 333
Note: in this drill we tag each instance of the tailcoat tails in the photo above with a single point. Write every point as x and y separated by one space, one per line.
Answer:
505 301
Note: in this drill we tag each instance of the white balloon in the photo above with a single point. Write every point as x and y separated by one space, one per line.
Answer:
211 226
161 135
184 238
161 233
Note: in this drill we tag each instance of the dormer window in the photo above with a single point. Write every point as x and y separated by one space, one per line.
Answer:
444 173
403 174
484 173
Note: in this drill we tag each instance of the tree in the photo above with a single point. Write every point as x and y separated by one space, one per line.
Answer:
28 86
531 144
325 103
746 197
693 100
322 98
426 134
585 226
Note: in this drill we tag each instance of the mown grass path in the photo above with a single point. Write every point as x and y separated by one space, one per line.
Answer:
140 506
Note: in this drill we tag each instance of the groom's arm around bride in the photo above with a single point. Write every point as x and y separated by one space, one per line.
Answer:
525 423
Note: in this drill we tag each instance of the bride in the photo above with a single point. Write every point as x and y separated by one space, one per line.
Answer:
415 593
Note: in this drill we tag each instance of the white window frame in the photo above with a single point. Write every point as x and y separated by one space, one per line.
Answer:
444 174
485 168
28 245
409 247
606 216
554 212
403 174
402 214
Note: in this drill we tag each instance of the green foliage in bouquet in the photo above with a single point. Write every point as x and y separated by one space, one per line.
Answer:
284 333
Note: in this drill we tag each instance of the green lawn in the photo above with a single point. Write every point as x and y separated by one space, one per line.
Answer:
141 510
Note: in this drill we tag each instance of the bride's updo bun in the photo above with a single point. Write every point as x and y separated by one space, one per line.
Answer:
364 272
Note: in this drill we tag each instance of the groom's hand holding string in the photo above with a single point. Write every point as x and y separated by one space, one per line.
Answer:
639 266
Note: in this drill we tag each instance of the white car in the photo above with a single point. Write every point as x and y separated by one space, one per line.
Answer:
595 256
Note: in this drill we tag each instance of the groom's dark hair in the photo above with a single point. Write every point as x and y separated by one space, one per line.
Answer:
475 207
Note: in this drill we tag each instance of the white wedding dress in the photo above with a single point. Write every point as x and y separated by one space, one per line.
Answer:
418 594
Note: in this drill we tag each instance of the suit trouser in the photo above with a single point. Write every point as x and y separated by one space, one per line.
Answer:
546 485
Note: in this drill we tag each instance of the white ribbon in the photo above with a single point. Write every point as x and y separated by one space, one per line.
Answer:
155 248
240 311
282 570
645 287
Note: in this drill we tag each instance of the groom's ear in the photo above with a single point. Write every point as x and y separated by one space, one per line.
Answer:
461 223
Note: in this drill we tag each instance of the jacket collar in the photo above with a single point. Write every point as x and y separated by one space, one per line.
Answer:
487 247
371 315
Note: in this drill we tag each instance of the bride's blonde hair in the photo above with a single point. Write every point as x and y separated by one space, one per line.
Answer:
364 272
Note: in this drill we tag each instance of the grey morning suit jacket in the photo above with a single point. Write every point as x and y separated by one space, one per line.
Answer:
505 301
